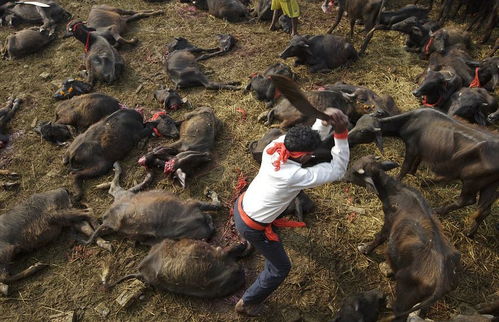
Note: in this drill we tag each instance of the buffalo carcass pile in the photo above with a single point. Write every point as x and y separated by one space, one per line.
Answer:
177 101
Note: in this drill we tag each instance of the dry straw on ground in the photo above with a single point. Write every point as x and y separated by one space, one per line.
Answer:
326 264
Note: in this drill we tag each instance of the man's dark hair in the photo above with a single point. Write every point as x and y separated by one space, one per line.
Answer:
302 139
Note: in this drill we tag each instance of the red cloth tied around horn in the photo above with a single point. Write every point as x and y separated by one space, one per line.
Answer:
284 154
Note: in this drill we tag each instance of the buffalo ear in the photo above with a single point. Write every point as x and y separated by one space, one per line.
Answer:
388 165
370 184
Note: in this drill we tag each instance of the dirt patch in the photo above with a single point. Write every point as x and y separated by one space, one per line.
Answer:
326 264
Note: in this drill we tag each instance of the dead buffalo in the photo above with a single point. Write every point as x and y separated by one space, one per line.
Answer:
6 114
93 152
289 116
32 224
264 88
452 149
154 215
363 307
111 22
185 72
444 38
321 53
180 43
446 74
388 18
472 104
226 43
231 10
72 87
26 42
383 105
79 112
367 11
169 99
418 32
423 261
192 267
193 150
55 133
487 74
256 147
47 12
102 60
85 110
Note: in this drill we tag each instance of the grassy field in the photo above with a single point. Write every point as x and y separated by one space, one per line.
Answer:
326 264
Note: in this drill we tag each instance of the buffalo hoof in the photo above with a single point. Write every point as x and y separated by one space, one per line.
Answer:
471 233
213 196
363 248
385 269
4 289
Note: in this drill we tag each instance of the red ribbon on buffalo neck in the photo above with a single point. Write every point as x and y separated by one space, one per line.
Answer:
428 45
284 154
476 81
87 41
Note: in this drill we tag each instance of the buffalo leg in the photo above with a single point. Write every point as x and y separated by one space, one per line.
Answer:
337 22
239 250
298 208
408 164
287 123
146 182
115 189
229 86
489 28
118 10
406 296
99 169
85 228
120 40
68 217
467 197
352 26
143 14
208 206
379 239
27 272
485 201
415 165
12 107
6 254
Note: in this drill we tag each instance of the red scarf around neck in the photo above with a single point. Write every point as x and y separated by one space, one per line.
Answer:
284 154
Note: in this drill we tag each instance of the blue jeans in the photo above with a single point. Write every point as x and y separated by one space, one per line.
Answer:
277 264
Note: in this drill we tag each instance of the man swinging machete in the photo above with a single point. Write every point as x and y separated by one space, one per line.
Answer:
280 178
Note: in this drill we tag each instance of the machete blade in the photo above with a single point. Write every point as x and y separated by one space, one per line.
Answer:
290 90
34 3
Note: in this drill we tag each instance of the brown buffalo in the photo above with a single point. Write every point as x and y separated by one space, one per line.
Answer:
423 261
154 215
192 267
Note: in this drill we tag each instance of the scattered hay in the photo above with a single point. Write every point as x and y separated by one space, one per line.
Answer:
326 264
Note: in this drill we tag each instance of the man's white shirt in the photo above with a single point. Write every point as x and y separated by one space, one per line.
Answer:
270 193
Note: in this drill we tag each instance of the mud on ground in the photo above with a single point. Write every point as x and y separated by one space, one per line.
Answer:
326 264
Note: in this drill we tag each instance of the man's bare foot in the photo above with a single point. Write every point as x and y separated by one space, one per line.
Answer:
272 28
